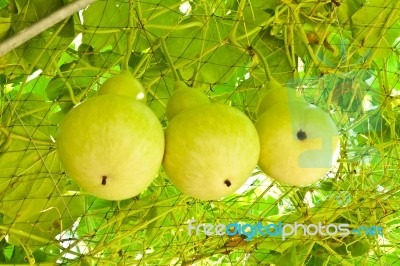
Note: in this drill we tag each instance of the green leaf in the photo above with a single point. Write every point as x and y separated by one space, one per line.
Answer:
27 117
255 14
273 50
218 67
30 166
102 23
26 173
31 11
45 47
206 43
37 85
78 79
346 10
158 93
375 27
42 50
105 60
160 17
354 245
262 257
4 248
59 215
288 257
334 50
42 256
18 255
58 117
96 214
5 24
4 3
185 43
154 227
393 71
277 244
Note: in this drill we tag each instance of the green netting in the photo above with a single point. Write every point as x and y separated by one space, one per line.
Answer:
343 55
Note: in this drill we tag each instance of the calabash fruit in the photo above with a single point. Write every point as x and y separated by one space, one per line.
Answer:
211 150
299 143
112 146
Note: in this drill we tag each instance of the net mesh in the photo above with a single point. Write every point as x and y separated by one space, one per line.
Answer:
343 55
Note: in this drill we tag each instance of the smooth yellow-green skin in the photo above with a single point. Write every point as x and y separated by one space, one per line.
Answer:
210 151
276 93
112 136
183 99
124 84
289 160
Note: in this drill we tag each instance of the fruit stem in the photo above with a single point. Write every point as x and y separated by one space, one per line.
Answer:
175 27
303 37
169 60
288 35
125 65
69 87
141 66
264 63
239 17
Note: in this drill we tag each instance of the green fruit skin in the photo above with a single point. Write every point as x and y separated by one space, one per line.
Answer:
111 136
206 147
276 93
289 160
124 84
178 85
184 99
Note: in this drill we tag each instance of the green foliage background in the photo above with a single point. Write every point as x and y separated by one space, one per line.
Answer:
344 55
